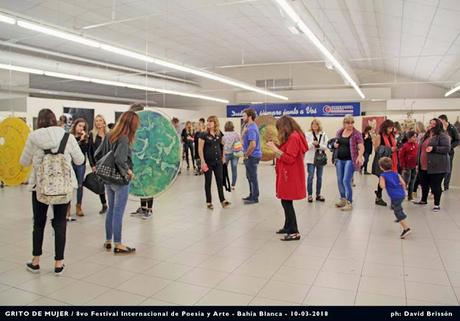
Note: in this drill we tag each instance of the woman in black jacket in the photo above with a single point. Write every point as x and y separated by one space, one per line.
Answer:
433 162
367 148
95 139
187 141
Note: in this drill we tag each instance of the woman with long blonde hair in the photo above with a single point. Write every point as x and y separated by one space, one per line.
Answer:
211 154
96 137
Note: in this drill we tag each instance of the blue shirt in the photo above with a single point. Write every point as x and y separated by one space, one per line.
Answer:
252 134
393 186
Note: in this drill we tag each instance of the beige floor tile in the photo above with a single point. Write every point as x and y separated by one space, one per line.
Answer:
17 297
364 298
383 271
258 301
219 297
154 302
181 293
329 296
438 277
45 284
203 277
430 292
294 275
117 298
110 277
334 280
221 263
342 266
144 285
282 291
78 293
47 302
170 271
242 284
382 286
18 276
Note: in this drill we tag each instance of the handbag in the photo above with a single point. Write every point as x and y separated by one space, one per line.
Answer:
320 155
94 184
107 170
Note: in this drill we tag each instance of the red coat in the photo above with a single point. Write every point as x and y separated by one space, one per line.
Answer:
290 169
408 155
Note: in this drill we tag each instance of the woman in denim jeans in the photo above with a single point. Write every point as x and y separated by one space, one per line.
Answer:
229 139
349 147
80 131
120 139
317 140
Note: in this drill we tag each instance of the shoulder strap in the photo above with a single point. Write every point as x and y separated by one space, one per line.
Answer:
320 136
63 143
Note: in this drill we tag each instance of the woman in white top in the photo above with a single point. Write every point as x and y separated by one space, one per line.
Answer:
317 140
229 139
48 136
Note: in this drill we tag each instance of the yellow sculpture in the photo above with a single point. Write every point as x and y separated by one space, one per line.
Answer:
13 136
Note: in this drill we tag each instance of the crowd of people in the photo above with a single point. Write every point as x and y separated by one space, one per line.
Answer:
403 160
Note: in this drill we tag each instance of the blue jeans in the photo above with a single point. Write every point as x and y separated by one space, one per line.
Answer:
398 210
409 176
251 164
319 179
118 197
345 170
80 173
234 163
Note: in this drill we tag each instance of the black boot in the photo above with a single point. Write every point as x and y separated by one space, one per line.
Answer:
379 200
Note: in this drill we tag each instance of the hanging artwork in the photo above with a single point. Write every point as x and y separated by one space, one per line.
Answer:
73 113
156 155
373 121
13 136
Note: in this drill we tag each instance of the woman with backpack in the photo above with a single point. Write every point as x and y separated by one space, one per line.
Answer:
315 158
232 145
48 138
96 137
80 132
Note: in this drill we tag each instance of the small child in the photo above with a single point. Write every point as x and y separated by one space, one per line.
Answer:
408 162
395 186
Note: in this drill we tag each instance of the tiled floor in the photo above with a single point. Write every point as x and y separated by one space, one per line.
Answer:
189 255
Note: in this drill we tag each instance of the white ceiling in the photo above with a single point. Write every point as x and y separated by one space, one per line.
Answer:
418 39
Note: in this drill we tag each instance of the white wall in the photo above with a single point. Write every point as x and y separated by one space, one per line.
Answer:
34 105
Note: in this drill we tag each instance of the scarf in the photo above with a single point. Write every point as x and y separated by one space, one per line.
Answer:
391 142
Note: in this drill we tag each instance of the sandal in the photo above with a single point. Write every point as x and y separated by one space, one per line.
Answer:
281 231
225 204
291 237
126 250
210 206
310 199
108 245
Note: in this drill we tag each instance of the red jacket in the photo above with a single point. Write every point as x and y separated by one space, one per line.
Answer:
290 169
408 155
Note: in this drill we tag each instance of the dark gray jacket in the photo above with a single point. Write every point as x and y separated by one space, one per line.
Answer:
122 153
454 139
438 159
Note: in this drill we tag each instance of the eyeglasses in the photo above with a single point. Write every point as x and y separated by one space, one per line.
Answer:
349 122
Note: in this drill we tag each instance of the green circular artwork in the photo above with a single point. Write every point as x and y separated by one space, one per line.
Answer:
156 155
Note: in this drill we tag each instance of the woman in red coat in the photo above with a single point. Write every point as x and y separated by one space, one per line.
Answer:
290 172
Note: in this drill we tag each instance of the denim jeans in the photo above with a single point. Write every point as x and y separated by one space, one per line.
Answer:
398 210
80 173
345 170
187 147
366 161
234 163
409 176
319 179
118 197
251 164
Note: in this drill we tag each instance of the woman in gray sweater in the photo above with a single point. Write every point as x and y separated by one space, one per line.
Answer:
433 162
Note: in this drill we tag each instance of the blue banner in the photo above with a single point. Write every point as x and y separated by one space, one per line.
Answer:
299 109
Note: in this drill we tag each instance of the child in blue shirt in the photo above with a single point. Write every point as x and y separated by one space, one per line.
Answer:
396 189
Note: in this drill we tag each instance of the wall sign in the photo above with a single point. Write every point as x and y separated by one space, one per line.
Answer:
299 109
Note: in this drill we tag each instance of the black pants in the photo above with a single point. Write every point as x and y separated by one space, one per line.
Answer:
147 202
449 174
366 161
187 147
379 191
433 182
58 222
218 170
290 223
103 199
